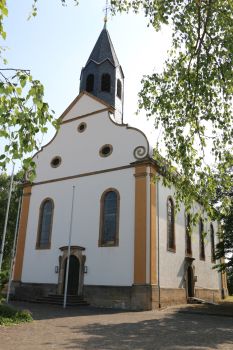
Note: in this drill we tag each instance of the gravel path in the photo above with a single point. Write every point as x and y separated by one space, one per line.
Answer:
89 328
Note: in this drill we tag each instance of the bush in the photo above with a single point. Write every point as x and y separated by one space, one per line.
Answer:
4 275
10 315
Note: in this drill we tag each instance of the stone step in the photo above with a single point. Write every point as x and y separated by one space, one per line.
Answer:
61 296
54 299
194 300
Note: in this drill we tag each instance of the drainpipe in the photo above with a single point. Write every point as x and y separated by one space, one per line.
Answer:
157 182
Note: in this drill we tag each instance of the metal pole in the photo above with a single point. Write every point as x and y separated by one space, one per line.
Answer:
6 219
13 250
68 254
159 296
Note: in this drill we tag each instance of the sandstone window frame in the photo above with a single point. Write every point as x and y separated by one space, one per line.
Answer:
39 244
201 240
188 236
102 241
171 237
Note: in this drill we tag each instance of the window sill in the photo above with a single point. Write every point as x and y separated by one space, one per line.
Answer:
188 255
43 248
172 250
108 244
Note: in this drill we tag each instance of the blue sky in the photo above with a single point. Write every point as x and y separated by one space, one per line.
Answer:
56 44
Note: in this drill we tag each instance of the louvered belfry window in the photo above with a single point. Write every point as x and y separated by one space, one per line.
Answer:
90 83
106 82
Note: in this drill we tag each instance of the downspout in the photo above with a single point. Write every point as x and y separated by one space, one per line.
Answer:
157 182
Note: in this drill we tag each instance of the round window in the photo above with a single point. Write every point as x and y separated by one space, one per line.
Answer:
55 162
105 150
82 127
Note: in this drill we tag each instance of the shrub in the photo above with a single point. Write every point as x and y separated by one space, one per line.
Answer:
10 315
4 275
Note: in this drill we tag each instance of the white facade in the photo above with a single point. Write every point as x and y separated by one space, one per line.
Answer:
172 264
80 159
83 166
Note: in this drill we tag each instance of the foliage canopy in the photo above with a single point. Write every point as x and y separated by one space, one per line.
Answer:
23 112
191 100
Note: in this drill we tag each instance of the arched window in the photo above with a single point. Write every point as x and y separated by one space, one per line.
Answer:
170 225
106 82
201 240
188 238
119 88
45 224
212 243
109 218
90 83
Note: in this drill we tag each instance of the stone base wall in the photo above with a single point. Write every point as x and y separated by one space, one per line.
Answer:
32 291
212 295
167 296
136 297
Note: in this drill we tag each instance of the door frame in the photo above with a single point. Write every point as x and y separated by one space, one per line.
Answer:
77 251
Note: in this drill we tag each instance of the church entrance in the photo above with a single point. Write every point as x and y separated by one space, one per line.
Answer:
73 276
190 282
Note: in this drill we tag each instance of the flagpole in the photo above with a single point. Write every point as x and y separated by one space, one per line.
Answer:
6 218
68 253
13 250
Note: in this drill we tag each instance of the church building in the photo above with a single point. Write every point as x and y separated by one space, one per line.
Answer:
97 182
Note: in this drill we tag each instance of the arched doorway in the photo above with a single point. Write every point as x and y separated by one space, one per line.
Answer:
190 282
73 277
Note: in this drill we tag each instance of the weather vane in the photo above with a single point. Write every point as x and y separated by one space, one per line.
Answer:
106 13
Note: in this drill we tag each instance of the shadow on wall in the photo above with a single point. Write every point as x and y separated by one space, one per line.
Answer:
181 273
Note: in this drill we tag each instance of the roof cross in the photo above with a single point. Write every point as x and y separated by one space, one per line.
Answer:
106 13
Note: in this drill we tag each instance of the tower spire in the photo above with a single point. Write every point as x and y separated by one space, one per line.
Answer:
102 75
106 14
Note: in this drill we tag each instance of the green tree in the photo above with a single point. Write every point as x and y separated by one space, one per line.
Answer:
191 100
224 248
23 111
15 197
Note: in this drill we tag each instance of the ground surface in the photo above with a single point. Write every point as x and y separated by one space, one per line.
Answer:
186 327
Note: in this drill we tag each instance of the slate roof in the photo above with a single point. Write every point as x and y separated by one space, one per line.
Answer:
103 50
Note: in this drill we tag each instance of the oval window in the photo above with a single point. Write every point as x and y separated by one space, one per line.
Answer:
82 127
55 162
106 150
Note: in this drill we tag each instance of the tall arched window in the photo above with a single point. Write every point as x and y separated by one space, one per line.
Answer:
109 218
201 240
106 82
188 238
212 243
45 224
90 83
170 225
119 88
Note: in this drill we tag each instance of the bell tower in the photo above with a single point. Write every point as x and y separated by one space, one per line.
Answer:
102 75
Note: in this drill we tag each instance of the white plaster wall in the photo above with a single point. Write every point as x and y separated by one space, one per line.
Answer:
106 265
118 101
172 264
83 106
80 151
